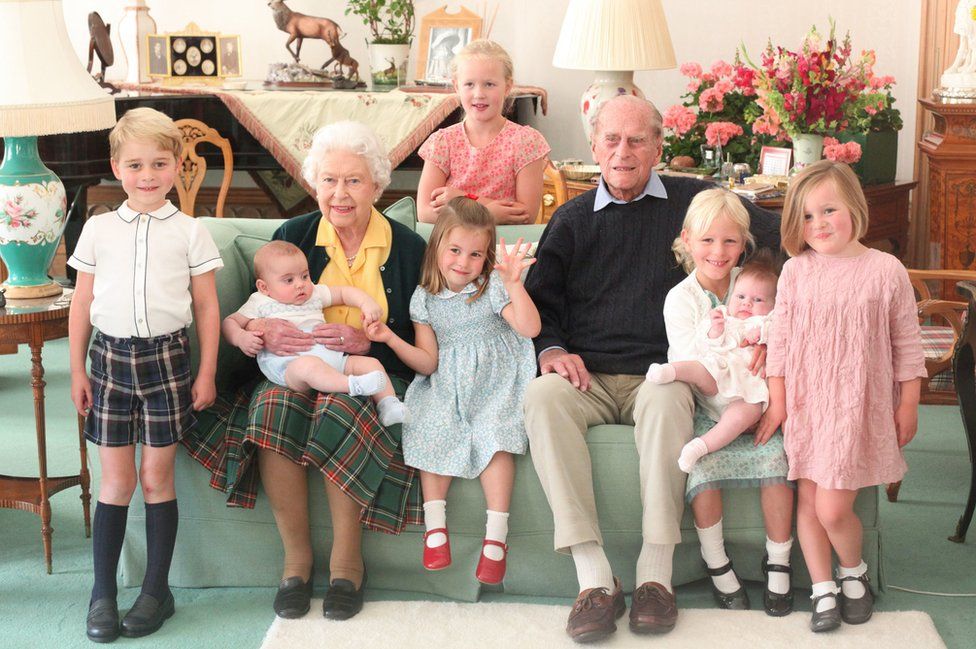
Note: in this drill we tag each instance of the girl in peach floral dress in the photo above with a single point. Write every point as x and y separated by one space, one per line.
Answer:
844 367
485 157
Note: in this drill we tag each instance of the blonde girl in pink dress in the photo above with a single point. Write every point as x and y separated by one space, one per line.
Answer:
485 157
844 367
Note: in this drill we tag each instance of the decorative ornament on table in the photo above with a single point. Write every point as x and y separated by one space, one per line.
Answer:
390 24
134 28
300 26
959 79
100 45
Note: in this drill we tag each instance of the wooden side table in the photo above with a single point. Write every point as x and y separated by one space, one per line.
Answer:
34 322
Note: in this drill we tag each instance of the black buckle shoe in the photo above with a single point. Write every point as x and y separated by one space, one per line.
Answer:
734 601
102 624
857 611
147 615
777 604
293 598
342 600
825 620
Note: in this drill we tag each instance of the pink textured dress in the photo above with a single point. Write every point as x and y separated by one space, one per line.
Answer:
845 334
487 171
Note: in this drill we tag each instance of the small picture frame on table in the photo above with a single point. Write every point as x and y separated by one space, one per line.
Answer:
229 55
775 161
442 36
158 60
193 56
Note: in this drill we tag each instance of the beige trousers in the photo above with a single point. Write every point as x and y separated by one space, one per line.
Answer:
557 416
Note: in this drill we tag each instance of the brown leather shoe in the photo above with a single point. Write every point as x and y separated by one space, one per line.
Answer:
594 612
652 609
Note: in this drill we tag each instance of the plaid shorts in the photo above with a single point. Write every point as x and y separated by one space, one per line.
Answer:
140 390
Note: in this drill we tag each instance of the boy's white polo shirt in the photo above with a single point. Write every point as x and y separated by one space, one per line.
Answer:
142 264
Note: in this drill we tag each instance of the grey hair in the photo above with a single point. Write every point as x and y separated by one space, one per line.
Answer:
656 124
349 136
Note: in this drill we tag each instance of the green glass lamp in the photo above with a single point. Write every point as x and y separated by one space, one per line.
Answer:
44 90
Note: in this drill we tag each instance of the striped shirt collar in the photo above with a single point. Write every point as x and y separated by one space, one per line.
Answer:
654 187
128 214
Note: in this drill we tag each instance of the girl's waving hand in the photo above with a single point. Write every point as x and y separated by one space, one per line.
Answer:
512 262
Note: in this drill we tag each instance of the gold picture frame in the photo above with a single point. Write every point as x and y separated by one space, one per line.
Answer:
192 56
442 35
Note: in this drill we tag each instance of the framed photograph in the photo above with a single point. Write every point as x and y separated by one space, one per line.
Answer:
442 35
158 61
229 55
775 161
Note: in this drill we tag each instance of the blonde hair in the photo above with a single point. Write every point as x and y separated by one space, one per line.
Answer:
705 207
794 208
464 213
146 124
270 251
483 48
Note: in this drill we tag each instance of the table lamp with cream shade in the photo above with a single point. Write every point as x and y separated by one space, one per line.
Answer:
44 90
613 38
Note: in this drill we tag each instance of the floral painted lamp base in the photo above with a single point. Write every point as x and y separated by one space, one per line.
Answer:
32 218
606 85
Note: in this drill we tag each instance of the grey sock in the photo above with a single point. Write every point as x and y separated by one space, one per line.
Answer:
366 384
391 411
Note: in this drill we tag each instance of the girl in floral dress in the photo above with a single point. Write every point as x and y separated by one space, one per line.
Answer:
845 363
485 157
474 358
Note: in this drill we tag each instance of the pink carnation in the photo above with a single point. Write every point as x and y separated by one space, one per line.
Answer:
692 70
721 132
849 152
679 119
711 100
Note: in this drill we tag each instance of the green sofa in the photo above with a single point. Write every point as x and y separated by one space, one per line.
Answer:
223 546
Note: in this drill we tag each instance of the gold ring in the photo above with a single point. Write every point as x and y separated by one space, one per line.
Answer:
342 340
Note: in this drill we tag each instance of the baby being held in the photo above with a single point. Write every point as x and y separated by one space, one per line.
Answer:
728 391
285 291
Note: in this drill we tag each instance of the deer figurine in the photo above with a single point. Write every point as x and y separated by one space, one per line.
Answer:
340 55
299 26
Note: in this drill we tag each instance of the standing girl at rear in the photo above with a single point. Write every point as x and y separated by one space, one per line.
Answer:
844 367
485 157
473 358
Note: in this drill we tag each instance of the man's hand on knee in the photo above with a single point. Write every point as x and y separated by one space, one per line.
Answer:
569 366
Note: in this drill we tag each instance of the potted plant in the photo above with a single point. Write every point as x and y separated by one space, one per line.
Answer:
390 24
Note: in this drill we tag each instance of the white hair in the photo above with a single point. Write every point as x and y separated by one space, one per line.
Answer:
349 136
654 120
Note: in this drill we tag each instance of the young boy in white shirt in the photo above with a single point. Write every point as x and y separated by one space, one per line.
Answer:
139 270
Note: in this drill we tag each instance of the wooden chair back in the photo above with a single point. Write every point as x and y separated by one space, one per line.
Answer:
192 168
556 197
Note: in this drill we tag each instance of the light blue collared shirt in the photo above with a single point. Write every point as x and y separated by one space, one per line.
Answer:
654 187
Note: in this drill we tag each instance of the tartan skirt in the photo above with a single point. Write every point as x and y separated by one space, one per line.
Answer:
337 434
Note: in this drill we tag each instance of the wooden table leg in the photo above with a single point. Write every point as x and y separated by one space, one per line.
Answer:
84 477
37 383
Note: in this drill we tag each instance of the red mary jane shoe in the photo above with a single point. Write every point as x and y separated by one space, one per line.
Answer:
440 557
490 571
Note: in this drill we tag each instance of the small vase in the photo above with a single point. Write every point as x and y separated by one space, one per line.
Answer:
807 149
388 65
134 28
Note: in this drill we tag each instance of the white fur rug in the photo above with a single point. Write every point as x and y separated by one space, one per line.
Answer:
429 625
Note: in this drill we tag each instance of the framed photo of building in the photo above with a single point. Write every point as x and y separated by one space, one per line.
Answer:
442 35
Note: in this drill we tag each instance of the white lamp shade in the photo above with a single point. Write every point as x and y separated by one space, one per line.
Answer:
44 89
614 35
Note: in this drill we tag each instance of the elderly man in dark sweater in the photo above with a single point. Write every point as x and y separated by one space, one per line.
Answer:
604 268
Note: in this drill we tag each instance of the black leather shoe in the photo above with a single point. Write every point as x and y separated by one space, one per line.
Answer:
857 611
777 604
102 624
147 615
342 600
826 620
293 598
734 601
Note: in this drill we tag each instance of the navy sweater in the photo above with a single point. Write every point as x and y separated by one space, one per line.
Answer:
601 278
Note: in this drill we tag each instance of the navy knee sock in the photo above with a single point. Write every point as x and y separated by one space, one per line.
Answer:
108 532
162 519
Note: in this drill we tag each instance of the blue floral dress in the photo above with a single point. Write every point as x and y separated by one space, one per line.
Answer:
471 407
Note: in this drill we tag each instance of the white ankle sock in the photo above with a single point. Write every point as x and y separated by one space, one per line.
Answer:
825 588
691 453
852 589
713 552
660 373
496 529
391 411
592 566
655 563
435 517
366 384
779 553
